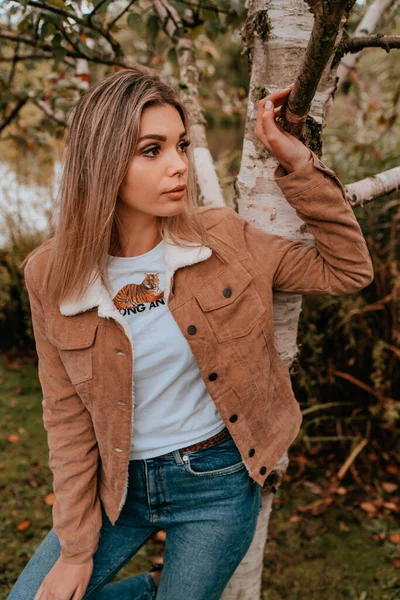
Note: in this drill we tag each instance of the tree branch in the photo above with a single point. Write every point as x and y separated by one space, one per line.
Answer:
13 113
364 191
94 11
368 24
121 14
20 57
378 40
328 17
124 62
49 112
83 22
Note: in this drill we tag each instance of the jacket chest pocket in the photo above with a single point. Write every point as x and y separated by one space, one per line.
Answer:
231 303
74 337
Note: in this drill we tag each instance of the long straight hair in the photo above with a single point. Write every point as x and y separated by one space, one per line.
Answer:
103 136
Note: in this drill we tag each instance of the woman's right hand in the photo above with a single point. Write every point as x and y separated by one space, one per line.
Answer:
65 581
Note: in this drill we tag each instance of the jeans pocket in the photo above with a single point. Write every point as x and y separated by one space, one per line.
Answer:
220 459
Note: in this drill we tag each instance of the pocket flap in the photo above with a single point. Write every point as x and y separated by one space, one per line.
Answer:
72 333
235 278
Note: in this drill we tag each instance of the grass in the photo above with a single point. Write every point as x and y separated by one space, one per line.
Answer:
331 555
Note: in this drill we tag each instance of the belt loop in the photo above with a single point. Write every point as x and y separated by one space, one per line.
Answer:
177 457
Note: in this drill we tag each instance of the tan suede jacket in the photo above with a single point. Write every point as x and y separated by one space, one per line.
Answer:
224 311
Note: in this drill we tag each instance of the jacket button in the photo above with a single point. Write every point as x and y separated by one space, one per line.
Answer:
227 292
120 353
213 376
117 449
191 329
252 452
263 470
233 418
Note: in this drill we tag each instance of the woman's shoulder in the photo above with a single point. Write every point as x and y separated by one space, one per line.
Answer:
36 261
211 215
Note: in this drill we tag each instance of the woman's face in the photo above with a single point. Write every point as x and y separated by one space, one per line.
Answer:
156 165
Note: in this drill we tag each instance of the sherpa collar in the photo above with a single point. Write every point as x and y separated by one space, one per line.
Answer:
96 294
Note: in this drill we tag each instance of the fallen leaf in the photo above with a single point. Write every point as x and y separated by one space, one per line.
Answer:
14 512
389 487
391 506
343 526
13 438
396 562
394 538
341 490
392 469
294 518
313 487
49 499
24 525
368 507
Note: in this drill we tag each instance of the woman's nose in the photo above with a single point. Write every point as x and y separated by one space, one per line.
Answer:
178 165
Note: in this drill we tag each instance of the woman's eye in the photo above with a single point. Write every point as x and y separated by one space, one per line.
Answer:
183 145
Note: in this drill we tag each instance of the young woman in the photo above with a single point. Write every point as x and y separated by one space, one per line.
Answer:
165 401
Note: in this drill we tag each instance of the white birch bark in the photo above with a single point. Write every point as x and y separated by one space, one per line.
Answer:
364 191
277 44
367 25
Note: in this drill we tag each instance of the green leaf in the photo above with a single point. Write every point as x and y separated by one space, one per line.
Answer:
153 24
134 19
56 41
59 53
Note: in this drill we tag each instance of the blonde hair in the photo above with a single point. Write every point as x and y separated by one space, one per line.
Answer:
103 135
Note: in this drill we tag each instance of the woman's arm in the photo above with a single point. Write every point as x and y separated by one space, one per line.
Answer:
340 262
74 454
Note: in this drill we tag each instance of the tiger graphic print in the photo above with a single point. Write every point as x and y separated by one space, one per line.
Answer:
133 294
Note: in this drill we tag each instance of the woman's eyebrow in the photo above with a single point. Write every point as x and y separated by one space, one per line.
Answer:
161 138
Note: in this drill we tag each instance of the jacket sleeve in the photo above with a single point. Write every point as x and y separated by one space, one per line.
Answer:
340 262
73 456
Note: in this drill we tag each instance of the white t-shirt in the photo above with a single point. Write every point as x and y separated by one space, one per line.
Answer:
173 408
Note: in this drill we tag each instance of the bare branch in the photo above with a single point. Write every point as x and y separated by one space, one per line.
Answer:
48 111
95 10
13 113
364 191
378 40
117 18
83 22
328 18
57 11
367 25
21 57
198 6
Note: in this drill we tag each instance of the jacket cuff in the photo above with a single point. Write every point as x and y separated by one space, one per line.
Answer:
304 178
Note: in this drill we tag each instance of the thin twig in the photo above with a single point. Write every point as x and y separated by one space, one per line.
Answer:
351 458
121 14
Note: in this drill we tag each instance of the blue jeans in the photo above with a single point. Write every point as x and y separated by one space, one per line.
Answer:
207 503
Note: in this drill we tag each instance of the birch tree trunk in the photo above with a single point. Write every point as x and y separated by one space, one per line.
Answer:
275 35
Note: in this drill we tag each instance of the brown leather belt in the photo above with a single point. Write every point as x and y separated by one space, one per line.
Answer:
209 442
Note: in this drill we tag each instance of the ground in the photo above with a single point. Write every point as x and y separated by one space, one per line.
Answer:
341 553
